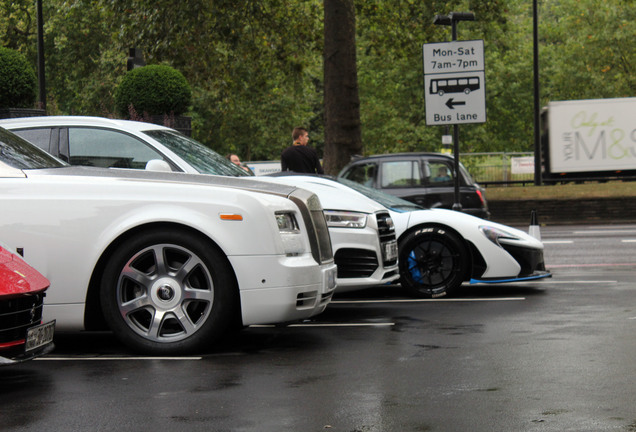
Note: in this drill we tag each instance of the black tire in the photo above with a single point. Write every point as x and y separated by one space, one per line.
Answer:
166 293
433 262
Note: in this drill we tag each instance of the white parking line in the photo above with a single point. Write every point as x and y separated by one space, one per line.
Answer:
116 358
429 300
591 265
572 241
385 324
596 282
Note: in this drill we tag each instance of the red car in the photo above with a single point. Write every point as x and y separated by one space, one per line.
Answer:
23 336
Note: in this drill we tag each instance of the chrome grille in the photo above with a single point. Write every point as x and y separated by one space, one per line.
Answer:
17 314
386 230
314 219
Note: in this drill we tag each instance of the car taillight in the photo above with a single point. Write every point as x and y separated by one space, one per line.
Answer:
481 197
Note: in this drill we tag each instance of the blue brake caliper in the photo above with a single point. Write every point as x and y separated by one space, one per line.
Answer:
416 274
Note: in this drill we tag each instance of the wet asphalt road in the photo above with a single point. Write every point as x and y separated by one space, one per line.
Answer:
554 355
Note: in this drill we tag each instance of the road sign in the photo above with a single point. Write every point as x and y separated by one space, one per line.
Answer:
455 84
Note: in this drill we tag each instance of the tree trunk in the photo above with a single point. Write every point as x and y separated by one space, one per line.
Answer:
342 103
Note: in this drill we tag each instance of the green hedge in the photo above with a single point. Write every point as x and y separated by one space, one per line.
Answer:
153 90
18 83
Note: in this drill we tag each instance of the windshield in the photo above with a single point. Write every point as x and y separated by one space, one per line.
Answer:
388 201
203 159
20 154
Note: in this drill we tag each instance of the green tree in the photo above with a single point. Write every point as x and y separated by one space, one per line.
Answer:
256 68
153 90
588 49
84 62
253 66
17 80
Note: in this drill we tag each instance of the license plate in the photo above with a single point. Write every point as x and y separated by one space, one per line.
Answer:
39 335
390 251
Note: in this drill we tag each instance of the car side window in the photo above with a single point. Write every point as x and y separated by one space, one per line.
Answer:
441 174
107 148
363 173
41 137
401 174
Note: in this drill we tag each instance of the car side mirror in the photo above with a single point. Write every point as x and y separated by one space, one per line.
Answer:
158 165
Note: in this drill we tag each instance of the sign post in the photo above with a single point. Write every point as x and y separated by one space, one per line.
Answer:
453 71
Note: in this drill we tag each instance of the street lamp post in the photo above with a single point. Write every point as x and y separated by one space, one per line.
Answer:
41 76
537 101
451 19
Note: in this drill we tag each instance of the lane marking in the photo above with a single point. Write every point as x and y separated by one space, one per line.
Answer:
387 324
609 231
584 282
116 358
429 300
592 265
572 241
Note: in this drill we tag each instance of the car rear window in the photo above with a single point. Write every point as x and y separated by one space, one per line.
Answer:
21 154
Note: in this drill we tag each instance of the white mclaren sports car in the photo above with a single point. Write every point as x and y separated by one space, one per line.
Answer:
440 249
168 261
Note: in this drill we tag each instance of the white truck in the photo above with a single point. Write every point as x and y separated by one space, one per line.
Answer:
589 140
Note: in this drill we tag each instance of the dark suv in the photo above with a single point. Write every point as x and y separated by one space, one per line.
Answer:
422 178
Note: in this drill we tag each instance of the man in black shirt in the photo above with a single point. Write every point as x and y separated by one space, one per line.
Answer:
298 157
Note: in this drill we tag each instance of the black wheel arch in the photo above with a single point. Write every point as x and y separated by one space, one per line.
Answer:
93 316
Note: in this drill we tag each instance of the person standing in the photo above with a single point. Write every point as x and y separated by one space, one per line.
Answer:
298 157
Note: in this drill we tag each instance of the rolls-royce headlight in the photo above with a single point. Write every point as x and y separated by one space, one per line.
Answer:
496 234
289 233
286 222
345 219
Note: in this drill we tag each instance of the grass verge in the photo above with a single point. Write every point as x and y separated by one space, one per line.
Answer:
613 189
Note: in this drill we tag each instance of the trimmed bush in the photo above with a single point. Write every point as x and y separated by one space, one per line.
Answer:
18 83
153 90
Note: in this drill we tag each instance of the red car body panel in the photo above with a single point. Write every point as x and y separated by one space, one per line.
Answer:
17 277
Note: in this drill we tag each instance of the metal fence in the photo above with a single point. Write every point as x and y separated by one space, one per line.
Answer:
500 168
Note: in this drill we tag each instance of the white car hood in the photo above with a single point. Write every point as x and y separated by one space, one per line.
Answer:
246 183
332 195
467 225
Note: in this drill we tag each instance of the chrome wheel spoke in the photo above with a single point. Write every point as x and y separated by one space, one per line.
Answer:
154 330
184 320
198 295
186 269
134 305
136 276
160 262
